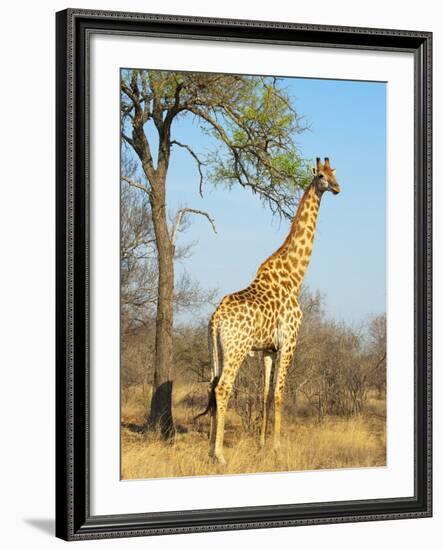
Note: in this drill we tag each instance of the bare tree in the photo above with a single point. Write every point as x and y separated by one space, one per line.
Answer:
137 261
377 350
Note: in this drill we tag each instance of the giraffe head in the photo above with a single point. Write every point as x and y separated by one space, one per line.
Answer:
324 177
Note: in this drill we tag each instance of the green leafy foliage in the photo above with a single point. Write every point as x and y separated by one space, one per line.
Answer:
252 120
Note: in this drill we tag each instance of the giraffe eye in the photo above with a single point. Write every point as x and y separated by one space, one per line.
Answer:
321 175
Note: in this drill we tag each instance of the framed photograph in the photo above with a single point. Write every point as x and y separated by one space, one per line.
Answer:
243 274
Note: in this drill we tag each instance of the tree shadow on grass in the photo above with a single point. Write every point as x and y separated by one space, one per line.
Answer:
142 428
136 428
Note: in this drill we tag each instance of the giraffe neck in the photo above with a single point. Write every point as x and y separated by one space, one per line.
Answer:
296 250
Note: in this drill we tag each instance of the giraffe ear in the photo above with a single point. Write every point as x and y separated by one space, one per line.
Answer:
333 171
314 171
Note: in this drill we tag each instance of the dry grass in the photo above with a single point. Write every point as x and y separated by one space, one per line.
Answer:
306 444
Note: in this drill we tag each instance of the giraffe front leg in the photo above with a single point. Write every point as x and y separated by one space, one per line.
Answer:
267 382
284 362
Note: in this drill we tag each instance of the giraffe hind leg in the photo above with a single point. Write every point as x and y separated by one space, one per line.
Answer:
268 362
212 432
213 417
222 394
283 366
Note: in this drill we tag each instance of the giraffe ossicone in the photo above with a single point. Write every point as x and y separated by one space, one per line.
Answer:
265 317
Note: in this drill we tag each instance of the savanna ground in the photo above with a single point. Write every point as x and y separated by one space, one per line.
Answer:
334 413
308 442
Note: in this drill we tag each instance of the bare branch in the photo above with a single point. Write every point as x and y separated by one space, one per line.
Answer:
179 217
136 184
129 93
127 139
199 162
377 366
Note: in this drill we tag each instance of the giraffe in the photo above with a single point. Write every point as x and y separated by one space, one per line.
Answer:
265 317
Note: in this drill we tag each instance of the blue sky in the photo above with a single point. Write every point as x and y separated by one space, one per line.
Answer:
347 121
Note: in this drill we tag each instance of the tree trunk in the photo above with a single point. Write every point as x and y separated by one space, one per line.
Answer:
161 404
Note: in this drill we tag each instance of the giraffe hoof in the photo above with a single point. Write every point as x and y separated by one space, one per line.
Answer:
220 459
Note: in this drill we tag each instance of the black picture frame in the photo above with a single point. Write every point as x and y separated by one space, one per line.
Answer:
74 521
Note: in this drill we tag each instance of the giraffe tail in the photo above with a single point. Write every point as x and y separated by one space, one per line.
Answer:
211 401
213 351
